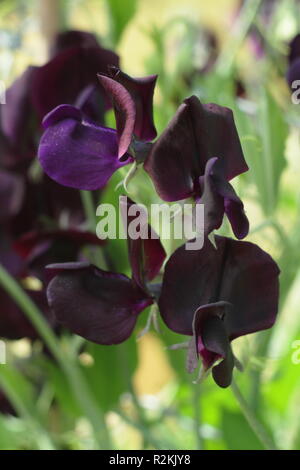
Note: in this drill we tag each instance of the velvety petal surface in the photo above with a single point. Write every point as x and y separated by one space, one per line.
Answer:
141 91
236 272
77 153
124 111
219 198
100 306
196 134
146 255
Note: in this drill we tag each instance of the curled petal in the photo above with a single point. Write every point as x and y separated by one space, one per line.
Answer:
236 272
141 91
146 253
209 334
124 111
77 153
196 134
218 198
100 306
222 373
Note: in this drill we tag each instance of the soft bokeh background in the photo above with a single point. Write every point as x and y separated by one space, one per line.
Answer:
169 37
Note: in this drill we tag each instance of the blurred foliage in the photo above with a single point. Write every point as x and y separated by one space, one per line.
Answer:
152 402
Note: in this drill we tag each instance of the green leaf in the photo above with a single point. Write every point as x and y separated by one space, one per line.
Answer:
111 372
120 13
274 131
237 433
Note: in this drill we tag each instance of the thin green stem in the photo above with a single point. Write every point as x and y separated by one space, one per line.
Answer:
66 362
256 426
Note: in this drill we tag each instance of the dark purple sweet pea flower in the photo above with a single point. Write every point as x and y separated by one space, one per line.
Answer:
200 147
76 152
102 306
40 89
217 295
146 253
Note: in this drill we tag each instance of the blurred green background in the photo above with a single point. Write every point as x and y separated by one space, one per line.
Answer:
148 399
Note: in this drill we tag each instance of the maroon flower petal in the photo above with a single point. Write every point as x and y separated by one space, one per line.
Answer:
66 75
100 306
218 198
141 91
210 336
146 255
222 373
195 134
236 272
124 111
72 38
77 153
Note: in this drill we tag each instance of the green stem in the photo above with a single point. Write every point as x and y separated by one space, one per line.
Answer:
256 426
66 362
